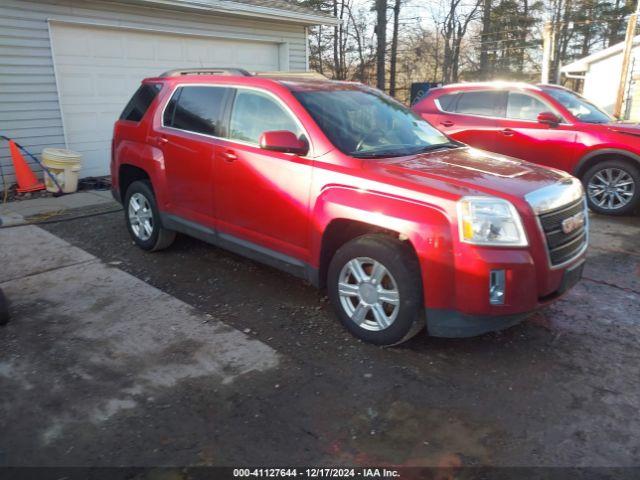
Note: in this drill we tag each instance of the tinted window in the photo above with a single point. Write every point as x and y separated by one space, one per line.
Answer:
448 102
488 103
139 103
256 112
524 107
197 109
369 124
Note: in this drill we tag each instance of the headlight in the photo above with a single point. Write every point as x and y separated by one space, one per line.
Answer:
490 221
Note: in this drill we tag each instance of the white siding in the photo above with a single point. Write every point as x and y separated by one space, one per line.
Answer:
601 80
29 107
633 102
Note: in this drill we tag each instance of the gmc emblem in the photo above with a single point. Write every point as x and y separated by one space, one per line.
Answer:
573 223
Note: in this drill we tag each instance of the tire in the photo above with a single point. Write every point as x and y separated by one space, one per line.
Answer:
360 308
4 309
154 237
627 188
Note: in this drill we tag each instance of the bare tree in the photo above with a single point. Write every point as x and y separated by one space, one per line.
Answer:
394 48
453 29
359 26
340 39
381 48
485 38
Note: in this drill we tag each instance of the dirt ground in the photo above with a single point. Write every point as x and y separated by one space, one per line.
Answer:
561 389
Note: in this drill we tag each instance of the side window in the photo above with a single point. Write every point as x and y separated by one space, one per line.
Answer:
486 103
140 102
448 102
524 107
256 112
197 109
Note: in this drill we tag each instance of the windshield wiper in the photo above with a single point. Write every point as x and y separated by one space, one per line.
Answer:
396 153
387 154
439 146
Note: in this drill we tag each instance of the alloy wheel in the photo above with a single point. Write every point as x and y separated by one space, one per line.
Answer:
140 216
611 188
369 294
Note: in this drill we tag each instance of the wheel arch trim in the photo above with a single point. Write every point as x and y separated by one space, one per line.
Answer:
426 227
581 167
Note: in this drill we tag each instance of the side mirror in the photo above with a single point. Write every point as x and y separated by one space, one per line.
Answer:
283 141
548 118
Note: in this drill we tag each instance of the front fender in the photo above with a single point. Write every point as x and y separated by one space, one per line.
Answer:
427 227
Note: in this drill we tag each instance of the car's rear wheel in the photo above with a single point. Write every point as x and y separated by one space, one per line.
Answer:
613 187
375 288
143 219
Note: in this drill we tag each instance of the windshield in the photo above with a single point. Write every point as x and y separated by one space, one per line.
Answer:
579 107
367 124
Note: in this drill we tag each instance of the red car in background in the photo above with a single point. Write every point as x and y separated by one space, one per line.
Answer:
548 125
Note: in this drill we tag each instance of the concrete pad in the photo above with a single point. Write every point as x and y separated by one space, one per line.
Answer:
27 250
106 194
36 206
108 342
11 219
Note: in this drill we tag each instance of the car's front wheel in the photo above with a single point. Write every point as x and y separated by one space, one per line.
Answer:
375 288
143 219
613 187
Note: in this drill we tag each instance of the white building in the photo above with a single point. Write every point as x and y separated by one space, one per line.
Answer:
601 74
68 67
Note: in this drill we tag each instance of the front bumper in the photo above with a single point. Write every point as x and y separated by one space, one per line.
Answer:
459 304
454 324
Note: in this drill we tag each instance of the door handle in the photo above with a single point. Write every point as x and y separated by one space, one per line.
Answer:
229 155
507 131
447 123
162 140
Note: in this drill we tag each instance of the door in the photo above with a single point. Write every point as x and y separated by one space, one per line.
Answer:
98 68
523 137
191 125
473 117
262 196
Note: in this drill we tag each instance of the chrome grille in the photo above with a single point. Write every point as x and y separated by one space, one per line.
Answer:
564 247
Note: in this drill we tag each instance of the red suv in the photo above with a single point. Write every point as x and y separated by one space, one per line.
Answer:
343 186
545 124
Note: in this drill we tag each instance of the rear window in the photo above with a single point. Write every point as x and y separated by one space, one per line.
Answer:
139 103
486 103
197 109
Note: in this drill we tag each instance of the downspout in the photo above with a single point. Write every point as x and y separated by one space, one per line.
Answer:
306 48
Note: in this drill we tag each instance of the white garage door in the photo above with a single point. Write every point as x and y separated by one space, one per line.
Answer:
98 69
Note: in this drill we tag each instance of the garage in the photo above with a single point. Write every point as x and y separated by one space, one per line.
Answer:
97 69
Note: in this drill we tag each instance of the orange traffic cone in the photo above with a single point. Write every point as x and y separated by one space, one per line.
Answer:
27 181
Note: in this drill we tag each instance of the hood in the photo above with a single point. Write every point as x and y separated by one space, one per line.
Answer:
625 128
468 171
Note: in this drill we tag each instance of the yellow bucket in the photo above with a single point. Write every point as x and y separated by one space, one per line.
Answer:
65 166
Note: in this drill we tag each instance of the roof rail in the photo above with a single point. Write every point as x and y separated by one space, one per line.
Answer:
206 71
310 75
